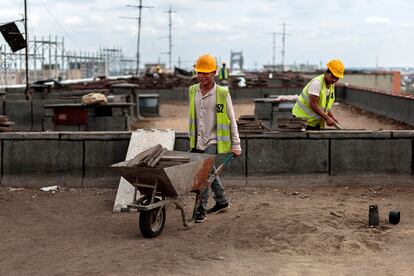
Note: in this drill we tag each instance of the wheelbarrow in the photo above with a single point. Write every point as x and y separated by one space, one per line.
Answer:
161 185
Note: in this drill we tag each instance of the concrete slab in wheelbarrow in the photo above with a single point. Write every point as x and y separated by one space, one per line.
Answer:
141 140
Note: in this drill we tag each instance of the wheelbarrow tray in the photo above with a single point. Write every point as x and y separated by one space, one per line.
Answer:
172 180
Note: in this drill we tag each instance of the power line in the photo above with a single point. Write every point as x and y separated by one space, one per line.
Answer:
58 24
139 7
274 34
170 36
283 45
283 52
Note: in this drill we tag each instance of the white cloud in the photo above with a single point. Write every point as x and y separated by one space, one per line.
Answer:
221 26
35 19
73 20
214 27
96 18
377 20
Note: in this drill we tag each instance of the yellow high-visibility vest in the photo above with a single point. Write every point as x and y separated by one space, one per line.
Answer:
302 107
223 74
222 120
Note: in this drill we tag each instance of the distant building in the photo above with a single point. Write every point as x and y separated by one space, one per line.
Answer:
85 69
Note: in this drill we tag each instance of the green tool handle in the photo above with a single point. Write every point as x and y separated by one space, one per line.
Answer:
220 167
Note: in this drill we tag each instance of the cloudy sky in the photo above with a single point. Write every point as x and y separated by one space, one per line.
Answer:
360 32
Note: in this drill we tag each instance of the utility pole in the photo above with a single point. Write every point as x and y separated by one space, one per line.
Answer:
274 51
169 36
274 34
27 90
139 7
283 45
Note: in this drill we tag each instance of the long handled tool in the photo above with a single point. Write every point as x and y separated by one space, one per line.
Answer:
337 126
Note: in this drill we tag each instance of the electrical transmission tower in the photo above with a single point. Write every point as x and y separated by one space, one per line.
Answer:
170 12
139 7
284 34
274 50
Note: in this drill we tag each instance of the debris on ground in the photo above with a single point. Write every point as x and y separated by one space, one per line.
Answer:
52 189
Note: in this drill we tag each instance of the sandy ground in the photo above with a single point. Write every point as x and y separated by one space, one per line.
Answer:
269 230
277 229
174 115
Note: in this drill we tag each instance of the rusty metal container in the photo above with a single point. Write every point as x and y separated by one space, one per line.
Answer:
173 180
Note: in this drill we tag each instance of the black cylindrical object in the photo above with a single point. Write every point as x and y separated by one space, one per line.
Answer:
373 218
394 217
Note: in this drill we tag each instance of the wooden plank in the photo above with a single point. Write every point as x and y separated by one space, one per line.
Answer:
140 141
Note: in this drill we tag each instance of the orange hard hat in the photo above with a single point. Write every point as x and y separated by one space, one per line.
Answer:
206 64
337 68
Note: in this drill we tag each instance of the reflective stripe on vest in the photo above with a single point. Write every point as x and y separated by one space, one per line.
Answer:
222 120
302 107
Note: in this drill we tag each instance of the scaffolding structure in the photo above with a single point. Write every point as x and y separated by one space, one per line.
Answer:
48 59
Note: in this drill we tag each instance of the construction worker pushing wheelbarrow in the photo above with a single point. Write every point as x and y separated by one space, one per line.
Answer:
212 129
160 176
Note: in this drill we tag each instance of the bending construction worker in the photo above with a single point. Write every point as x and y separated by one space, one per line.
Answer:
213 127
316 100
223 73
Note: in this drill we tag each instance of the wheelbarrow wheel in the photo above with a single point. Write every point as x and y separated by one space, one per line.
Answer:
152 222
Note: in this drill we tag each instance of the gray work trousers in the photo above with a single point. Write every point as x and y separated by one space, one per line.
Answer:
216 187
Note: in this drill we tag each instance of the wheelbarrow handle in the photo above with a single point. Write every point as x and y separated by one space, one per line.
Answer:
220 167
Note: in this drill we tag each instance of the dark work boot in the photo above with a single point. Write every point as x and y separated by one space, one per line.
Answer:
218 208
200 216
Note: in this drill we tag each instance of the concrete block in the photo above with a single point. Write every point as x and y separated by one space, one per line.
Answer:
280 134
276 156
29 136
47 124
108 123
348 134
179 93
20 112
293 90
248 93
124 88
268 91
402 133
69 127
15 96
371 156
182 143
148 91
96 136
39 111
100 155
340 92
263 109
28 158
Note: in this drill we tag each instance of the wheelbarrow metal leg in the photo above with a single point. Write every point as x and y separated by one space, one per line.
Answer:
178 202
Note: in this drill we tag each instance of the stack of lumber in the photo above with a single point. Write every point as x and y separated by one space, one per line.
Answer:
5 124
249 124
291 123
154 156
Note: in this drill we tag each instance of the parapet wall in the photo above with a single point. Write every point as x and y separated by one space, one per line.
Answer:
28 115
397 107
82 159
